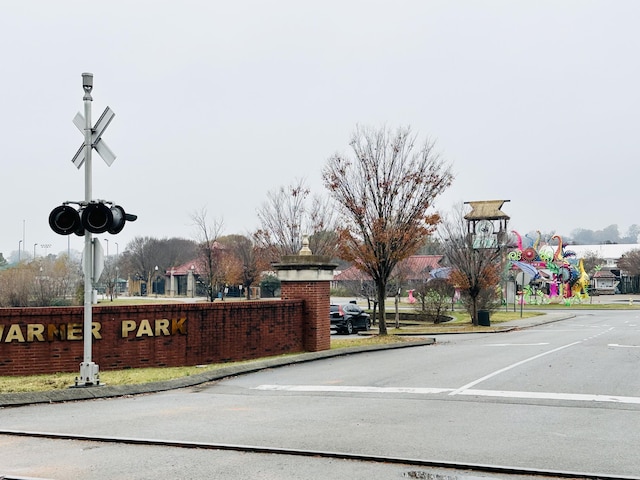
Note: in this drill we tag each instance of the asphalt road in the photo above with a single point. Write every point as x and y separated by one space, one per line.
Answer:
561 397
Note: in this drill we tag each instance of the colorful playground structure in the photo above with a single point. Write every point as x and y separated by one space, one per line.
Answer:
549 275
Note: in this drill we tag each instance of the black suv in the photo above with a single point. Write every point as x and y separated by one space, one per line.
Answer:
349 318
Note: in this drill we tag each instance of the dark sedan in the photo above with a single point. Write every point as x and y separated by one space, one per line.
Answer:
349 318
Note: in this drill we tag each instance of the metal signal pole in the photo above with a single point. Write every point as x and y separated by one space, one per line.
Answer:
88 369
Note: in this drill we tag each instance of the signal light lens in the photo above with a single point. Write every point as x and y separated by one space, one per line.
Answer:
65 220
97 217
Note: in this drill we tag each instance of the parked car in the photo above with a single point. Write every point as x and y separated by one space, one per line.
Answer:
349 318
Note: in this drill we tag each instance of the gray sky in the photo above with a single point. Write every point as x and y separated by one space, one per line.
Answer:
218 102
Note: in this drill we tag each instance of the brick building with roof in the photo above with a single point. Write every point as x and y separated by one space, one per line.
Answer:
411 270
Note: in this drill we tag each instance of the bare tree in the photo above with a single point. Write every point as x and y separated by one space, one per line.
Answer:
475 271
140 259
385 190
592 261
288 214
248 259
143 254
210 251
433 297
630 262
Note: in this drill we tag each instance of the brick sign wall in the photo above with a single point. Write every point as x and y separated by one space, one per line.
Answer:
316 322
49 340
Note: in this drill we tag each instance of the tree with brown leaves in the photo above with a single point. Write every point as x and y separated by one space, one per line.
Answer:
475 272
247 261
385 189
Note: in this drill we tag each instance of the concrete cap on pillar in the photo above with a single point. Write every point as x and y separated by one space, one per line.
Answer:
305 267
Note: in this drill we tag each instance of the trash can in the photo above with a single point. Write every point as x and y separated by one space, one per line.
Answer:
483 318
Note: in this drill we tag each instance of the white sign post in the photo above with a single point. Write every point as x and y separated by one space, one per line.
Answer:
89 371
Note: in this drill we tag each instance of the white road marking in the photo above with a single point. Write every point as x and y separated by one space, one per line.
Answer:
515 344
578 397
351 389
502 370
623 346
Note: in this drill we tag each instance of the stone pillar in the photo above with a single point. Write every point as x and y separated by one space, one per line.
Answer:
308 277
172 284
191 284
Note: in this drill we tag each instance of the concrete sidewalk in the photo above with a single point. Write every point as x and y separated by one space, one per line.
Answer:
106 391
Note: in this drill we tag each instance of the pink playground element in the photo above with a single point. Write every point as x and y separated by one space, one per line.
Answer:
411 297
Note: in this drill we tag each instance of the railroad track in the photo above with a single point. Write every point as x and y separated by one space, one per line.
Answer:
504 472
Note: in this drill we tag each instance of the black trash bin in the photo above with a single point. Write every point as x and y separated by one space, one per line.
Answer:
483 318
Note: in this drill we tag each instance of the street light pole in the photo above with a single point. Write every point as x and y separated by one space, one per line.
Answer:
34 250
109 285
19 249
117 279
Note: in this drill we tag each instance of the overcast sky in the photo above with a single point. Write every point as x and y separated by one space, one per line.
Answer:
218 102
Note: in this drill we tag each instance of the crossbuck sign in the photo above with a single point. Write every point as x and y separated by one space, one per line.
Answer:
96 138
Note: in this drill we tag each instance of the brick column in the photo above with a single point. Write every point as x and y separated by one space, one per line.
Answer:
308 277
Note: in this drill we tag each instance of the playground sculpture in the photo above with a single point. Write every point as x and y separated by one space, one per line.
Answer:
556 274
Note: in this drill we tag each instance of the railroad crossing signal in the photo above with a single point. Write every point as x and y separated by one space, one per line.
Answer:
95 217
96 138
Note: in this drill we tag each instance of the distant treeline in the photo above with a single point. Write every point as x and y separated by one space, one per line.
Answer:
583 236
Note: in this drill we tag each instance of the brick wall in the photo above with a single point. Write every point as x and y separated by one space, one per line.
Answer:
316 322
49 340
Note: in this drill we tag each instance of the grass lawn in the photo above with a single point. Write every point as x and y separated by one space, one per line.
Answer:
132 376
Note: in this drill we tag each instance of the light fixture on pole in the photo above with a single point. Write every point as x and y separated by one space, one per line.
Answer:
46 247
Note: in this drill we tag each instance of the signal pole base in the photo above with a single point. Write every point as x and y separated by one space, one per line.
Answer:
89 375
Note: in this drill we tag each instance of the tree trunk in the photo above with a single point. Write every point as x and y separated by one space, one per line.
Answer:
382 294
474 310
375 315
397 310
